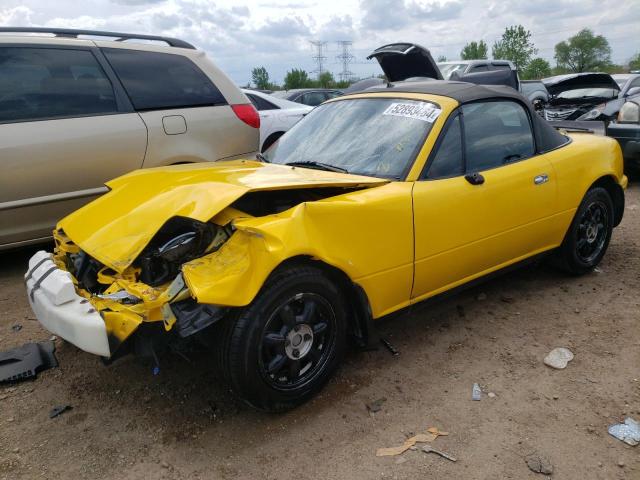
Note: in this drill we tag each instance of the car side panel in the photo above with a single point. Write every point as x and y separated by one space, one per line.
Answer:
58 165
578 165
209 134
376 252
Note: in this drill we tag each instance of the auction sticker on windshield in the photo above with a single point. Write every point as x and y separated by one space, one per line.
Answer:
427 112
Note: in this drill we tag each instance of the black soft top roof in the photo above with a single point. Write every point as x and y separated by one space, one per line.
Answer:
463 92
547 137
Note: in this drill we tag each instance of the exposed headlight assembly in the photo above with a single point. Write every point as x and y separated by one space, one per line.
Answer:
629 113
179 240
593 113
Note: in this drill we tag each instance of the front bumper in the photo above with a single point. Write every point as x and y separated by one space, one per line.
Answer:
58 307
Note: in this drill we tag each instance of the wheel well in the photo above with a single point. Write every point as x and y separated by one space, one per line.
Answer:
359 314
616 193
270 140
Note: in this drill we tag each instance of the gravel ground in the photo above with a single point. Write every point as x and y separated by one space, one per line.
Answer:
127 423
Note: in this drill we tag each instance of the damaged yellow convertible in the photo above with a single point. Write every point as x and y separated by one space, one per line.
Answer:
373 202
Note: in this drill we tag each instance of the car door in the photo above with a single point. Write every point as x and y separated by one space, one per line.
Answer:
65 129
485 200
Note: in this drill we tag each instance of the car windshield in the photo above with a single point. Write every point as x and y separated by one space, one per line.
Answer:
589 92
378 137
448 68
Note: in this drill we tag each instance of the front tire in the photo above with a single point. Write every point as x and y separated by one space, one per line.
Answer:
588 237
281 349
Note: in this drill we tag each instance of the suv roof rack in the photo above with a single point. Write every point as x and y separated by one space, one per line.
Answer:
120 37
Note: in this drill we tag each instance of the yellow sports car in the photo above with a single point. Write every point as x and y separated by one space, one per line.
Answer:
374 202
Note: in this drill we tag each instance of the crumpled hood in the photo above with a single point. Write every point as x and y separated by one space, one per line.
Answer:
116 227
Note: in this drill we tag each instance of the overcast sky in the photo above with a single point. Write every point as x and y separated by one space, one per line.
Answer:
242 34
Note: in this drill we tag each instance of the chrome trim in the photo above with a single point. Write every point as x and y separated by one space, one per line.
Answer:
56 197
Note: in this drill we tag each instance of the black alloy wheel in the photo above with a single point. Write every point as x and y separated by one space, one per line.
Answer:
587 239
282 348
297 340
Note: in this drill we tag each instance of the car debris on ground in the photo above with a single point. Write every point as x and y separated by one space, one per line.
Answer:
558 358
390 347
628 432
430 449
59 410
476 392
27 361
429 436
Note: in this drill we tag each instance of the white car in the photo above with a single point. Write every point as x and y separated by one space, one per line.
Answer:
276 115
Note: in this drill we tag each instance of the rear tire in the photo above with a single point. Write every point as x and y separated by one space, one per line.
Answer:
282 349
588 236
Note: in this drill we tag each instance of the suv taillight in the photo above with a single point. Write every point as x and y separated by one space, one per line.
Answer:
248 114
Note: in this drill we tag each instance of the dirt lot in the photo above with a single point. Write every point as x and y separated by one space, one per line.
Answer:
127 423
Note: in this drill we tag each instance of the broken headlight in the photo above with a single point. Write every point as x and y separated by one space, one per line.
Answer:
179 240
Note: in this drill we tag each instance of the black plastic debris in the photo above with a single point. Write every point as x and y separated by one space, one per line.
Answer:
27 361
390 347
16 327
59 410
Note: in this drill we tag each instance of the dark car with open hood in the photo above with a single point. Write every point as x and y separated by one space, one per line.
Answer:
584 96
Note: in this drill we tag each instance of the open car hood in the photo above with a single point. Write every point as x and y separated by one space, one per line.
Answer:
400 61
116 227
562 83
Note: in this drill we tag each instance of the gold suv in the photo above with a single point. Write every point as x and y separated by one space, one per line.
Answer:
76 112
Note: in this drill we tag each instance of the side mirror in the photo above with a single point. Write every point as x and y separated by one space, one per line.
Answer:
632 91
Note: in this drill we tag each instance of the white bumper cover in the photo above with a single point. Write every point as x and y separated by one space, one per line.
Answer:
60 309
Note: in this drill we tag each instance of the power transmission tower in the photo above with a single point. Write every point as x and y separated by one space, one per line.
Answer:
319 57
346 58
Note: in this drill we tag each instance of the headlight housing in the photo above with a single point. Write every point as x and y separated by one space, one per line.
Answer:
593 113
629 113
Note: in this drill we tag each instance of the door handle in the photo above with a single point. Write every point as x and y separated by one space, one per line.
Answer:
474 178
540 179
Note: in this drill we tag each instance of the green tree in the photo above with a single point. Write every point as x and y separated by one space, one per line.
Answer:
634 63
536 69
325 80
260 78
515 45
442 58
584 52
474 51
297 78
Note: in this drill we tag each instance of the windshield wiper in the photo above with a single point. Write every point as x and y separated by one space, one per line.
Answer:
318 166
262 158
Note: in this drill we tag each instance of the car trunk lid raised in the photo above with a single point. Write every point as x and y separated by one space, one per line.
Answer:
400 61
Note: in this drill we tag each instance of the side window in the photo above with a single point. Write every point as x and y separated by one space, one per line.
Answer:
479 68
330 95
500 66
635 83
496 133
447 162
313 98
162 80
260 103
46 83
